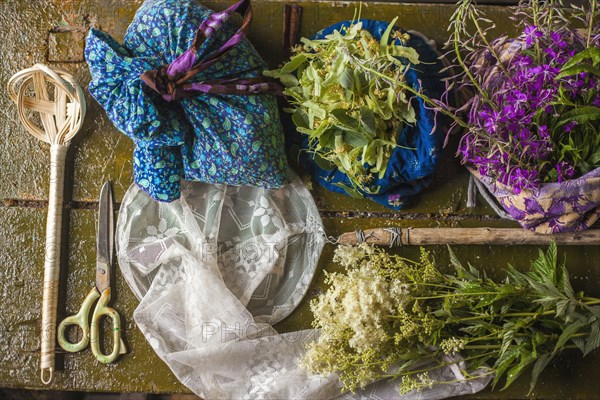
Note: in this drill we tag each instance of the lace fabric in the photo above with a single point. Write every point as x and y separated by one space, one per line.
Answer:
213 271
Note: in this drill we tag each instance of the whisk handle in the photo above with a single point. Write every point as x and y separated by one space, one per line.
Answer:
52 260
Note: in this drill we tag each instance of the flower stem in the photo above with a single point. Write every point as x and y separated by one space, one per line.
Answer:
535 9
460 60
482 346
491 48
426 99
590 301
453 295
591 23
440 365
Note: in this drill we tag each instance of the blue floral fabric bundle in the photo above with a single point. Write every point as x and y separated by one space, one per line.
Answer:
411 167
206 115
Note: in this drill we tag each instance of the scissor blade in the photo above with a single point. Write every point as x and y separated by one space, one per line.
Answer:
105 238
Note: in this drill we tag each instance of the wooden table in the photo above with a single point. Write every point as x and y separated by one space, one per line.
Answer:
52 32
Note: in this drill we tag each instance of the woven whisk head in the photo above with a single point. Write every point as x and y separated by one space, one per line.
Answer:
57 99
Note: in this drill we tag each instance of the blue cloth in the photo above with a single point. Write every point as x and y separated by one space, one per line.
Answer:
408 171
230 139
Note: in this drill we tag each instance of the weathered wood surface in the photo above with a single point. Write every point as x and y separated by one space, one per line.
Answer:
52 32
397 237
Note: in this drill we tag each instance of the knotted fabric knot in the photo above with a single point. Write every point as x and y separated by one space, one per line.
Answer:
160 81
172 81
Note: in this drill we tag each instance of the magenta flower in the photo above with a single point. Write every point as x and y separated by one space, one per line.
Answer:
569 127
565 171
517 134
521 179
532 35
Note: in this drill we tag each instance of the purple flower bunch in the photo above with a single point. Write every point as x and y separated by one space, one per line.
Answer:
524 123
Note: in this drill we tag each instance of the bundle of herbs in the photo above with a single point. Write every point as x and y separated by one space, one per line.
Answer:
347 95
533 118
386 315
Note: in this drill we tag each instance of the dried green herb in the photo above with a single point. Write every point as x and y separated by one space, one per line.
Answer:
387 314
347 93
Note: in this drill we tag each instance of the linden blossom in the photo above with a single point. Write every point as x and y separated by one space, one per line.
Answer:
348 95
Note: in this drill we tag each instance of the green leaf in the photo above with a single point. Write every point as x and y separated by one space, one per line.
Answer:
305 131
369 155
538 367
577 69
355 139
234 148
289 80
323 163
591 53
344 159
474 330
507 339
249 118
564 309
300 118
567 334
385 38
367 119
346 121
359 83
213 169
581 115
543 269
316 109
327 138
594 158
406 52
579 342
353 30
486 301
594 310
293 64
517 370
346 79
454 260
339 64
474 272
503 363
593 340
350 191
548 302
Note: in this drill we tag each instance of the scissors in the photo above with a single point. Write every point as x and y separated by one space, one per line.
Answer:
104 251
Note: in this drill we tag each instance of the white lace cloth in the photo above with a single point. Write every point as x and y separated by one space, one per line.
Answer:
213 271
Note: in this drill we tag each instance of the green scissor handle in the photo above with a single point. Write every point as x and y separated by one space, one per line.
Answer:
81 320
118 344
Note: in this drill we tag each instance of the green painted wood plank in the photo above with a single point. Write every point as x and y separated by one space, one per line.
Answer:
21 274
21 264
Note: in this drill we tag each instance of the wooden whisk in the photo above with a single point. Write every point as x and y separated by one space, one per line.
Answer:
59 101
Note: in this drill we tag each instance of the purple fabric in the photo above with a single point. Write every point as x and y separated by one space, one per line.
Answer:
568 206
170 81
181 65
